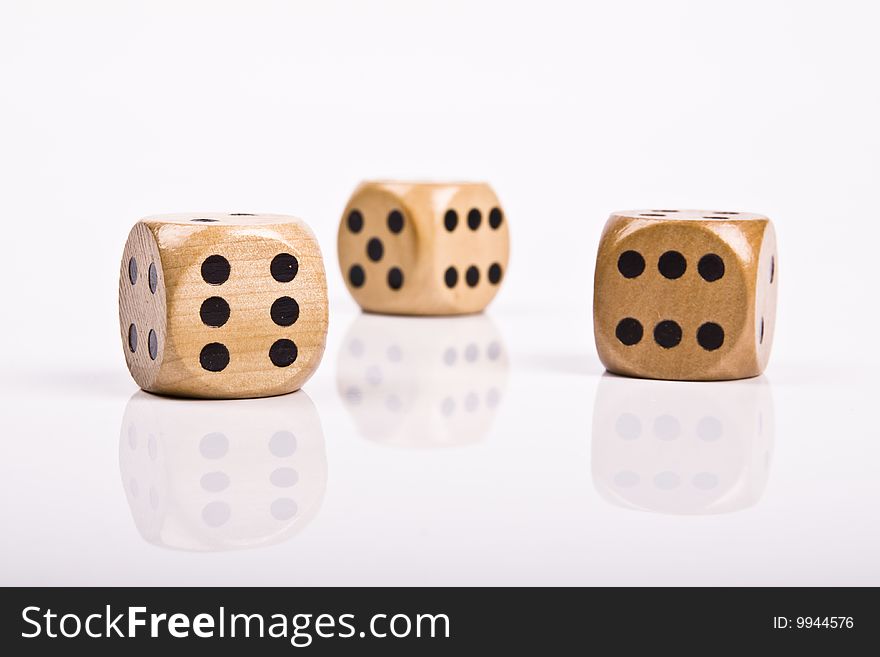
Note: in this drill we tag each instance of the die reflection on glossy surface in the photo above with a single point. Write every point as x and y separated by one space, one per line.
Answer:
222 475
422 382
682 448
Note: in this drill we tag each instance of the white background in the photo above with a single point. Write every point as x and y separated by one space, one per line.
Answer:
113 110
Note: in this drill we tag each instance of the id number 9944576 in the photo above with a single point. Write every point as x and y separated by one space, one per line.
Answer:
813 622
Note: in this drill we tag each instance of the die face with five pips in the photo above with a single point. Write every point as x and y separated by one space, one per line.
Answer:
685 294
222 305
423 248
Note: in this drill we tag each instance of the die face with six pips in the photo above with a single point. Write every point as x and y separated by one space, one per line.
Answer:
685 294
423 248
222 305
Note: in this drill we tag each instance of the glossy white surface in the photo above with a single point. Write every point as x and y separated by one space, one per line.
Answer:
519 462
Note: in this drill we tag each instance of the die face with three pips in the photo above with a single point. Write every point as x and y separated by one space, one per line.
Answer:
685 294
222 305
423 248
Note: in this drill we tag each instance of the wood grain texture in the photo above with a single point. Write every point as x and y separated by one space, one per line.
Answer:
194 316
424 249
142 308
741 301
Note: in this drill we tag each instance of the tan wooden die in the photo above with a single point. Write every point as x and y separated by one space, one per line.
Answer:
423 248
222 305
686 294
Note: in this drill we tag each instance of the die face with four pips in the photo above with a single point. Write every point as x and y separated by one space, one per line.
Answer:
423 248
222 305
685 294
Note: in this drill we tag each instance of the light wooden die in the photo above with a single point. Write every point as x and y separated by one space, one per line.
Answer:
222 305
423 248
686 294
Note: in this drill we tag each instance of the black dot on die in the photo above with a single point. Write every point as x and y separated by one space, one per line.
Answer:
710 336
772 268
283 352
631 264
132 338
284 267
284 311
356 276
667 334
494 273
395 221
495 218
472 276
355 221
214 311
474 218
215 270
672 264
711 267
450 220
629 331
761 337
132 270
153 277
153 344
395 278
375 250
451 277
214 357
205 220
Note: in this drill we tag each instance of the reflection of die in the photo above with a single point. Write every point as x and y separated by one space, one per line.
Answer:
221 475
685 294
219 305
422 382
682 448
423 248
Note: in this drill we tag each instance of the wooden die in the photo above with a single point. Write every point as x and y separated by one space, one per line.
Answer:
423 248
222 305
685 294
